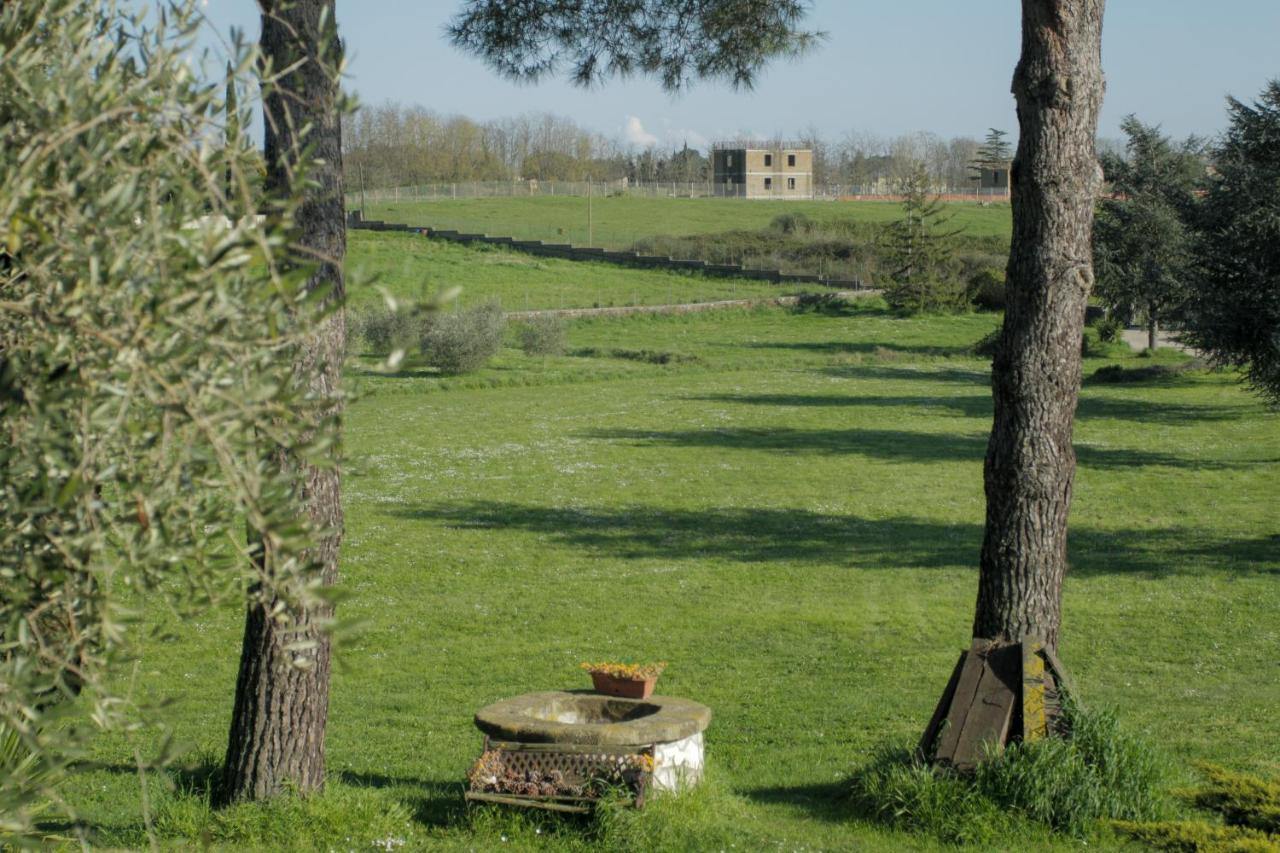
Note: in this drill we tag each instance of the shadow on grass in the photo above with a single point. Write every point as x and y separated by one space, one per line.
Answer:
754 535
979 406
958 375
893 445
831 801
434 803
865 347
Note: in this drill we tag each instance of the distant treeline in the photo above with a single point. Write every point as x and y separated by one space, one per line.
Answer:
393 145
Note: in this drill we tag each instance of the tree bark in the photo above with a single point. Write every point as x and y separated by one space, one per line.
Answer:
1153 328
282 692
1030 462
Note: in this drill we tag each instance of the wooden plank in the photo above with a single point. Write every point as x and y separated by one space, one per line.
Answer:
1034 724
1060 675
966 690
986 726
924 751
526 802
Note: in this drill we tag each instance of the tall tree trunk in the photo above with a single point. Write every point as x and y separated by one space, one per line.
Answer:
1030 462
282 693
1153 327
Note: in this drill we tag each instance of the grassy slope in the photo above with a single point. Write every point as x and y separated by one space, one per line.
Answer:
411 266
791 520
620 221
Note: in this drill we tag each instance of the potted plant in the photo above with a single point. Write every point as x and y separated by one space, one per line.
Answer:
626 680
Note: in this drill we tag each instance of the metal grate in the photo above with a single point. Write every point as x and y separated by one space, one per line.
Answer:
562 777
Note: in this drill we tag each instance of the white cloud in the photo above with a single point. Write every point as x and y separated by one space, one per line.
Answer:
635 134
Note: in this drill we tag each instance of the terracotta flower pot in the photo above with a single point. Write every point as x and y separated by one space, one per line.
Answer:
625 688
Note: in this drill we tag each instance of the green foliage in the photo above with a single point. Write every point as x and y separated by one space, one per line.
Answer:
1100 772
462 341
1235 312
720 39
995 150
146 343
1194 836
987 344
384 329
1067 785
1142 235
986 287
1249 805
917 251
546 334
1241 799
897 790
1109 329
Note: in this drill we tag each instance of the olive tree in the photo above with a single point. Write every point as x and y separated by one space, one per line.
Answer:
148 342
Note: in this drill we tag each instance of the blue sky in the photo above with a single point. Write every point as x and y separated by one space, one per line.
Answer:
886 68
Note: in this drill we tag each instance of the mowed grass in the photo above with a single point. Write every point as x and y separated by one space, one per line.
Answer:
790 514
414 267
619 221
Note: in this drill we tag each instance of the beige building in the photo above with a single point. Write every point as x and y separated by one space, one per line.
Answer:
747 170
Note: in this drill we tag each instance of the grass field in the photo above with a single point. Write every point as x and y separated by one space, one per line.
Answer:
414 267
790 514
619 221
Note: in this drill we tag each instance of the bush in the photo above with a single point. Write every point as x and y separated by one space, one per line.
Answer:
986 347
1067 785
545 334
383 329
1109 329
462 341
986 287
1249 805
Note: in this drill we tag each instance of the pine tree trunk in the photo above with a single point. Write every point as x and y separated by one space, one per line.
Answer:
282 693
1030 461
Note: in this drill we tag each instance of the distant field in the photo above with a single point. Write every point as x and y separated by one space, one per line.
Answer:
415 267
618 222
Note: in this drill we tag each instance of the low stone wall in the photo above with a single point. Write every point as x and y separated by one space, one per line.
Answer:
569 252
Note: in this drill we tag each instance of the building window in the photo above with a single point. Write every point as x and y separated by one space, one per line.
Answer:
768 159
791 183
791 159
728 161
768 183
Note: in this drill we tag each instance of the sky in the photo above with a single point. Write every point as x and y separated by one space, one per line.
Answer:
885 68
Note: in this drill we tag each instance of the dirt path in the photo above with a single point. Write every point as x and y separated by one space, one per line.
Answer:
1137 341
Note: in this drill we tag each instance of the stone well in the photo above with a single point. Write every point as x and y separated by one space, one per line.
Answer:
671 725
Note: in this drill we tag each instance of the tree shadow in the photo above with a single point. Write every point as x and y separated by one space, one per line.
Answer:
434 802
829 801
892 445
979 406
759 535
863 347
747 535
962 376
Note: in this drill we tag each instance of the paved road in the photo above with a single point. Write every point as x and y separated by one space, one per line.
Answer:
1137 340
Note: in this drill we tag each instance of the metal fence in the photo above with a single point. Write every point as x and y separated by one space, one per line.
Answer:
654 189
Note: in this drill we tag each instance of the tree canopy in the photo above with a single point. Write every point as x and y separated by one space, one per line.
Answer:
676 41
1235 310
1142 233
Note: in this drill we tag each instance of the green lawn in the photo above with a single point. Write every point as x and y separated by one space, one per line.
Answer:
415 267
619 221
790 514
